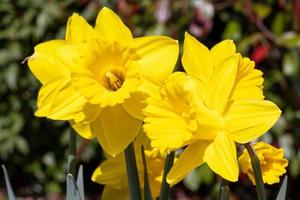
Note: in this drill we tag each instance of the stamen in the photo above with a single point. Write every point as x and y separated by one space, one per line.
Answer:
114 82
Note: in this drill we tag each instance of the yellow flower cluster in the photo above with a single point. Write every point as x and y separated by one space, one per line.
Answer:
217 102
107 83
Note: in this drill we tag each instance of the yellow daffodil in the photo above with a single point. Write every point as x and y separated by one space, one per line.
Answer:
217 103
272 162
109 73
57 98
112 173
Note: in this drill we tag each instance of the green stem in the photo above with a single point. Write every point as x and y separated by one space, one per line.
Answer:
132 173
224 190
72 153
165 187
147 190
260 188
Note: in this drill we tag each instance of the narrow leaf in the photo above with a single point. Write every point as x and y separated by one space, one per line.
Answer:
165 187
147 190
79 182
224 190
260 188
72 190
11 195
132 173
282 192
72 153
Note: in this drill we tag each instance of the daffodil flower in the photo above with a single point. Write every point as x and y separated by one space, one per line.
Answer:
57 98
218 102
272 162
110 73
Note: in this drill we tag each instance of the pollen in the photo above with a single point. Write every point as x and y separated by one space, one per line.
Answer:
115 83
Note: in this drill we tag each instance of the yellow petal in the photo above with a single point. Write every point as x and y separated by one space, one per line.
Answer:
110 193
187 161
220 85
78 30
67 104
221 51
115 129
43 63
111 172
83 129
68 55
135 105
196 59
86 84
47 96
158 55
166 129
246 120
220 156
111 27
91 111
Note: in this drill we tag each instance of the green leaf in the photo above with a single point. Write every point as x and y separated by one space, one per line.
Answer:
261 10
290 40
232 31
165 187
260 188
72 189
72 153
11 195
282 192
132 173
224 192
79 182
147 190
278 24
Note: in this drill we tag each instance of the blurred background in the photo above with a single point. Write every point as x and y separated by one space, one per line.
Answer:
34 150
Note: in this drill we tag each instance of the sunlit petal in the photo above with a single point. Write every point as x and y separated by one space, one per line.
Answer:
43 63
196 58
220 85
111 27
158 55
246 120
78 30
115 129
191 158
220 156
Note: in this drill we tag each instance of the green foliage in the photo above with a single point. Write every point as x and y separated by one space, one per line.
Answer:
282 192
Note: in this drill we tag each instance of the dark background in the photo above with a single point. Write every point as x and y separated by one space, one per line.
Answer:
34 150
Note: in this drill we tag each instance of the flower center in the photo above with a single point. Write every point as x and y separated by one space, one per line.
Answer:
114 80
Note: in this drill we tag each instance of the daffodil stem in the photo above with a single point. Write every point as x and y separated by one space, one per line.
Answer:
132 173
72 153
260 188
224 190
147 190
165 187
